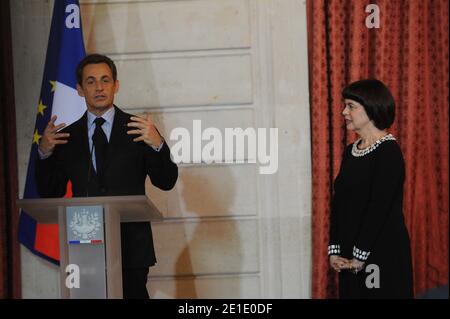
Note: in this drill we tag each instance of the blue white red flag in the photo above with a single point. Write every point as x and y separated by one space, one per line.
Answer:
58 97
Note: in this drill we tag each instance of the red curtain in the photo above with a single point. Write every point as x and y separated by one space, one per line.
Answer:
10 284
409 52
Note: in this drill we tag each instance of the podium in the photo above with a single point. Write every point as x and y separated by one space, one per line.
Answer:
89 239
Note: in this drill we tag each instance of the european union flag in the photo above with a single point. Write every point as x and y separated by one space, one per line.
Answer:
58 97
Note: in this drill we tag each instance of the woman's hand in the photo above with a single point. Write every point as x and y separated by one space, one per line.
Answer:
356 265
338 263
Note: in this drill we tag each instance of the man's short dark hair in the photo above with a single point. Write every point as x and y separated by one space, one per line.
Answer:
376 99
95 59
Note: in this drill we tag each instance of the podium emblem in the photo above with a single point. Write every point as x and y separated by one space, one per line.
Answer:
85 225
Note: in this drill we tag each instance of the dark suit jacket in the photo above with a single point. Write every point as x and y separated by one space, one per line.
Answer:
127 165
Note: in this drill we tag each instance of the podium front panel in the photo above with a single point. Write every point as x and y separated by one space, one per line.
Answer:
86 250
90 258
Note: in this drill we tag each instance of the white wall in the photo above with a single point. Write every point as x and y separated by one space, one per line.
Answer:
230 232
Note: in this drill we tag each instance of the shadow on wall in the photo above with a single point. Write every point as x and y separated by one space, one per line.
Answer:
197 256
103 35
198 250
212 246
94 15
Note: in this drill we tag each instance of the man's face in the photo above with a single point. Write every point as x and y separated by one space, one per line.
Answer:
98 87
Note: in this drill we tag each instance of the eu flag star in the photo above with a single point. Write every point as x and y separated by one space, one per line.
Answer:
36 137
53 83
41 108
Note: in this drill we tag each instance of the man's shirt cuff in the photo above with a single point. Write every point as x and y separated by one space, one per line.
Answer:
157 149
43 156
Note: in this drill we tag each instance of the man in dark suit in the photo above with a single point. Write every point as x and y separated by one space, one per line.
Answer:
107 152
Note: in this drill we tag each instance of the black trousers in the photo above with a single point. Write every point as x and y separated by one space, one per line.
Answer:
134 282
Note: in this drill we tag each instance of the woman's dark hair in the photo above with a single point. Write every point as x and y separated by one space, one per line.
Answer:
95 59
376 99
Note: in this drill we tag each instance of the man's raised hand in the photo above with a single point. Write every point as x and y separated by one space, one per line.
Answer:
51 137
146 129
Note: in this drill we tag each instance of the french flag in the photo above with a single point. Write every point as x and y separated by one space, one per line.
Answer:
58 97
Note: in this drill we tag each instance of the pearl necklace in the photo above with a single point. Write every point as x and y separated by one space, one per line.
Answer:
358 153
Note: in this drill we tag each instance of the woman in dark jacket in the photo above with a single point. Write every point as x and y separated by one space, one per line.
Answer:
369 243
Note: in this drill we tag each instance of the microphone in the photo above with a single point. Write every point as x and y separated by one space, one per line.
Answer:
89 170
